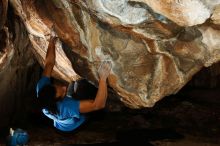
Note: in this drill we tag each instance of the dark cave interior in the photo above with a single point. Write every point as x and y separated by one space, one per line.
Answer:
190 116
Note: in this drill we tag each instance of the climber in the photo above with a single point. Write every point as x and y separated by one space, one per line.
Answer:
66 112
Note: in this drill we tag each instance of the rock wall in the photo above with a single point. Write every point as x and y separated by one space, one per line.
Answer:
155 46
19 70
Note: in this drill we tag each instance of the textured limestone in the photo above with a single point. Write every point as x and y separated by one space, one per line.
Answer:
216 15
3 12
155 46
5 51
183 12
18 72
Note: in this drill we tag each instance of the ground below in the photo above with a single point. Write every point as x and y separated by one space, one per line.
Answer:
192 119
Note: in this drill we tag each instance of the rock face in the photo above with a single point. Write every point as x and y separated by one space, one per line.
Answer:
19 70
155 46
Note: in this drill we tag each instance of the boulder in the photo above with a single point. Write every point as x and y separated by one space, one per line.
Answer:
155 47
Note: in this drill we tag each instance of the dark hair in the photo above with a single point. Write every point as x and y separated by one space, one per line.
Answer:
47 98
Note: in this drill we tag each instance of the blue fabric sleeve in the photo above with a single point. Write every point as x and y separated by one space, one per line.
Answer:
68 107
41 83
74 108
69 117
49 115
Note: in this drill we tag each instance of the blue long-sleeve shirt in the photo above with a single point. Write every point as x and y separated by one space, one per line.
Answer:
68 117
